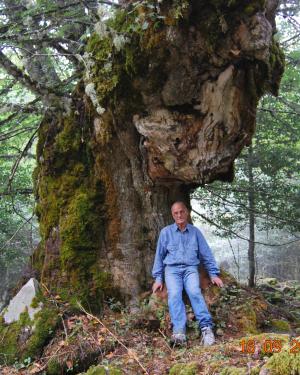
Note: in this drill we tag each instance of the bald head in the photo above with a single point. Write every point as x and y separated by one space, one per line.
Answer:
180 214
179 203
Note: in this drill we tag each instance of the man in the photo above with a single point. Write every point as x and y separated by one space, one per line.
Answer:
180 249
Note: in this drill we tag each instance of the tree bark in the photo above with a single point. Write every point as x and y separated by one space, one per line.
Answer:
251 202
167 110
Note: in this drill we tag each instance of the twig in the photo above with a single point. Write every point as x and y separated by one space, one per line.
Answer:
16 232
165 337
17 162
129 351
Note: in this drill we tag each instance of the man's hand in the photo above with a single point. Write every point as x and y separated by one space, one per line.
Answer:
216 280
157 286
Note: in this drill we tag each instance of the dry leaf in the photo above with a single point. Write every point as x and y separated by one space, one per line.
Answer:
109 355
62 343
101 339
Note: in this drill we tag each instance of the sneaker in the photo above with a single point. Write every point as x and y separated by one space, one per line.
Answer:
178 339
208 337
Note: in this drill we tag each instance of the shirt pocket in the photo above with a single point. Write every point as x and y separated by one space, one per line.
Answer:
172 248
192 254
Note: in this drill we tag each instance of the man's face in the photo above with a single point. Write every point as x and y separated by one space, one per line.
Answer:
180 214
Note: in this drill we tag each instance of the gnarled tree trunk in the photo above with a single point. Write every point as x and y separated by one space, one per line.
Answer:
167 103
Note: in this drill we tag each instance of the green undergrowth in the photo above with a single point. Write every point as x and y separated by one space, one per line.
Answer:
286 362
184 369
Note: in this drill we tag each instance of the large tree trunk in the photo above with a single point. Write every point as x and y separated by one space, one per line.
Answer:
167 103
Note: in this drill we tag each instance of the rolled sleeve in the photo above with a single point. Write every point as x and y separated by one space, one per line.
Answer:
158 266
206 256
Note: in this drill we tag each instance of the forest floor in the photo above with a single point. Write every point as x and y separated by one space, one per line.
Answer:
138 343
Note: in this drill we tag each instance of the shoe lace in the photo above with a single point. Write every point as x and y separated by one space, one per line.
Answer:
207 334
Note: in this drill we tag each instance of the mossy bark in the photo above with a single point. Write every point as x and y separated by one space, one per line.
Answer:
166 110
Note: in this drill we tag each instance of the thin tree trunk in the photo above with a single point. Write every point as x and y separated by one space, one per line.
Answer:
251 202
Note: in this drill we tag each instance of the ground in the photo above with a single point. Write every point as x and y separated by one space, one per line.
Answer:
122 342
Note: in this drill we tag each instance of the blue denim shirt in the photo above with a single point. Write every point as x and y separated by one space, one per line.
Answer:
182 248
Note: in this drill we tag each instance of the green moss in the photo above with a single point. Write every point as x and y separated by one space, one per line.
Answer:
105 78
246 318
276 66
102 370
77 230
184 369
38 299
280 325
14 343
45 323
54 367
9 338
284 363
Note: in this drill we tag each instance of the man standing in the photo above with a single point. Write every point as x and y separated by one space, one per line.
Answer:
180 249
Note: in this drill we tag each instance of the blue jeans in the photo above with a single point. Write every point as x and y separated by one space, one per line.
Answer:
187 277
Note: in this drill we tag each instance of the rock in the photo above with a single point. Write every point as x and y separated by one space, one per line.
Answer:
275 298
269 281
264 371
219 332
22 302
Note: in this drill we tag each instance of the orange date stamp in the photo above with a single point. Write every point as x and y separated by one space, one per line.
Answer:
268 346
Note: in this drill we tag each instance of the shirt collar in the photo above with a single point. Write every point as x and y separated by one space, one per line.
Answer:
175 228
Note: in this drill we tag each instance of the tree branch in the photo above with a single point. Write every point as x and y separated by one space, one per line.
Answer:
24 79
22 154
17 191
237 235
234 204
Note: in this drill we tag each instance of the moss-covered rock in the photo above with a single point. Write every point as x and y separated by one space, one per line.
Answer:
280 325
103 370
269 281
233 371
26 338
184 369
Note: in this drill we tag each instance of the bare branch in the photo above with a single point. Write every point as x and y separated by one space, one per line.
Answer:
12 157
22 154
256 212
13 133
17 192
16 232
239 236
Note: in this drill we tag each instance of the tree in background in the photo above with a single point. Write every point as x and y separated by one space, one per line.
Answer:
265 192
40 59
